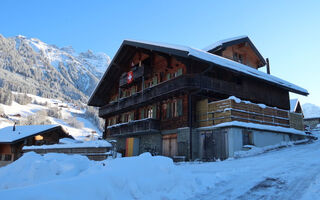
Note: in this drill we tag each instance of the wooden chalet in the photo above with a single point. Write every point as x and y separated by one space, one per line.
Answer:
154 97
13 138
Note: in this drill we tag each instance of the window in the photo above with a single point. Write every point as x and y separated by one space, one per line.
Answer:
7 157
238 57
247 137
173 108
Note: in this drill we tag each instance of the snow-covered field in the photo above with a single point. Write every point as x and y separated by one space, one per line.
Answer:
67 110
289 173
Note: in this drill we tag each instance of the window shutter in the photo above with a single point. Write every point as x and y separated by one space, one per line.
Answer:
122 118
179 107
155 80
179 72
168 110
154 112
132 116
168 76
142 113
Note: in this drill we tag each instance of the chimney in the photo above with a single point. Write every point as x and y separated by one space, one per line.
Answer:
14 126
268 66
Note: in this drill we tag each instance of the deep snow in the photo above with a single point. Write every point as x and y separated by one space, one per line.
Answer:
289 173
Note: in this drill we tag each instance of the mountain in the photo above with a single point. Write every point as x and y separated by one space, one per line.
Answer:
310 110
31 66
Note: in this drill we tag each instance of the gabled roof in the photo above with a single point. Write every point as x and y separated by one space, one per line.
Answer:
196 54
7 135
294 105
232 41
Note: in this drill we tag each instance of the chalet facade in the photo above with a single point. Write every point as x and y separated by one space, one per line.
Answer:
168 99
14 138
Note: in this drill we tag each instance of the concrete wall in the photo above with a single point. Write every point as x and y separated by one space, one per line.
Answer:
234 142
266 138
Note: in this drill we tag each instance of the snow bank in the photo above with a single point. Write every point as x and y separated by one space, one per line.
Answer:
32 169
58 176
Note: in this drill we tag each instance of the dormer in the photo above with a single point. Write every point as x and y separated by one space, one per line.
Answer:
239 49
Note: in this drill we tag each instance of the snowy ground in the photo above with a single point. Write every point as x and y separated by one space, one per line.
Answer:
288 173
67 110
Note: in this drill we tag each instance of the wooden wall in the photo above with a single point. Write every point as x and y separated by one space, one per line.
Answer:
249 56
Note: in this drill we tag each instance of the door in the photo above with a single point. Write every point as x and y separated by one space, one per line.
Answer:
213 144
169 145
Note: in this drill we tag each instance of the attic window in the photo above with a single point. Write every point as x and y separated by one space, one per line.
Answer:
238 57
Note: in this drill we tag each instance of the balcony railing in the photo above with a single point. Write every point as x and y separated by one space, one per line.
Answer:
154 92
183 82
142 126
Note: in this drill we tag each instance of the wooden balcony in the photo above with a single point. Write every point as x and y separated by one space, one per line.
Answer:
153 93
190 83
138 72
136 127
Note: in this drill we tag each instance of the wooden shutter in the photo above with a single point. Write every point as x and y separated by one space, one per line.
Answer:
168 76
142 113
179 72
155 80
154 111
179 107
168 110
132 116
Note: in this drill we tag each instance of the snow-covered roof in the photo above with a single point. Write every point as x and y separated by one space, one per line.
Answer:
256 126
220 42
88 144
96 98
7 135
229 64
293 104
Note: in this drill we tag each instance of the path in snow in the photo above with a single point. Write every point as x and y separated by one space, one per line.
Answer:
282 174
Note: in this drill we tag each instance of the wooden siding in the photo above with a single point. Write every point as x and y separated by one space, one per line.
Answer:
228 110
248 55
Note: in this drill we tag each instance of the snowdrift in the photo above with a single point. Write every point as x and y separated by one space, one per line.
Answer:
60 176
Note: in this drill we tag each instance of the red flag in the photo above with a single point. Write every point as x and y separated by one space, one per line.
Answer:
130 77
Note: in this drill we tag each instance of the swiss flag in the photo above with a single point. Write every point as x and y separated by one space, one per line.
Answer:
130 77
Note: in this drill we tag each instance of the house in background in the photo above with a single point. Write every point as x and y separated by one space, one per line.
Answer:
175 100
13 138
296 115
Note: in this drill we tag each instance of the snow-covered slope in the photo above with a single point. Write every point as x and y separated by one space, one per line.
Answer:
47 70
291 173
71 117
310 110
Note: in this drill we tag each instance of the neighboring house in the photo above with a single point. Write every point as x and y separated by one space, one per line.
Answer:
312 122
13 138
296 115
94 150
174 100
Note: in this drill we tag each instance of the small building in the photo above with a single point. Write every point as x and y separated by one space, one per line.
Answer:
296 115
312 122
171 99
94 150
14 138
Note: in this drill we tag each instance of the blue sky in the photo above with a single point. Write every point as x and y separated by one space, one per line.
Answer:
287 32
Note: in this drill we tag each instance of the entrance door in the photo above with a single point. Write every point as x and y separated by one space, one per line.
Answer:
213 145
169 145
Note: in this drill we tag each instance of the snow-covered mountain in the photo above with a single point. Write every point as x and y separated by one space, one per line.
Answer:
310 110
32 66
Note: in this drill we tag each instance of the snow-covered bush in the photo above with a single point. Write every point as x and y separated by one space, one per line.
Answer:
1 110
72 121
39 118
54 112
22 99
92 114
6 96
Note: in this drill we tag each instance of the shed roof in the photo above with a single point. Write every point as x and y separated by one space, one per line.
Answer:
7 135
